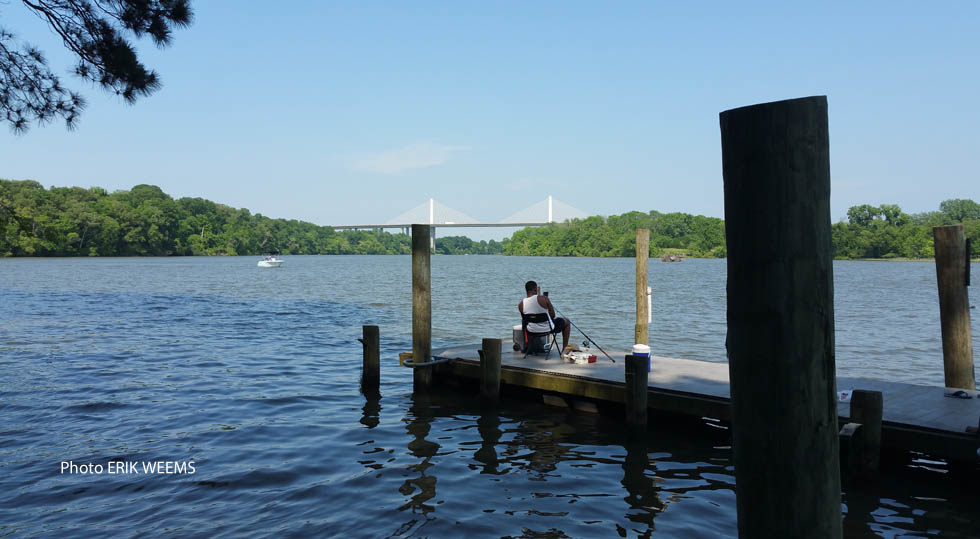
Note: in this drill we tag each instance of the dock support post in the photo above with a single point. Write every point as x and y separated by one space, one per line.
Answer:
866 409
490 371
641 330
371 366
421 307
636 390
952 274
776 168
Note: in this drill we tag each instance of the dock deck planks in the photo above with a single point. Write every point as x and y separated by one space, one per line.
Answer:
914 417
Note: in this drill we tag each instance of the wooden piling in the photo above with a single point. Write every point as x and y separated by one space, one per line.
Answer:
490 370
637 377
776 168
952 275
641 331
421 307
371 366
866 409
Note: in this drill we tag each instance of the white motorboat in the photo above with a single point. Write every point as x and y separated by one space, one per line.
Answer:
270 262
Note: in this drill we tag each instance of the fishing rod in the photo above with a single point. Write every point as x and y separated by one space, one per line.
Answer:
583 333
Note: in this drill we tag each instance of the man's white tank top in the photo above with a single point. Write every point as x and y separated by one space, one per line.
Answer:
531 306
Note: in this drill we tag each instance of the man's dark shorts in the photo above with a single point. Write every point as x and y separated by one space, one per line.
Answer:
559 325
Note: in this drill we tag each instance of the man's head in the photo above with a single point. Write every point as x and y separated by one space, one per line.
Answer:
531 287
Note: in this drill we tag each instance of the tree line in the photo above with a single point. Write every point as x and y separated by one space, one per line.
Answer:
887 232
868 232
694 235
145 221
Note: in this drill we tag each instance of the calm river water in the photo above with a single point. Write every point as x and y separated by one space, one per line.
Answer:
249 378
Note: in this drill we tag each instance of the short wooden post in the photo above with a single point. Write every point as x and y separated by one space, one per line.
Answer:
371 366
853 450
490 370
421 307
866 409
954 306
776 168
641 331
636 390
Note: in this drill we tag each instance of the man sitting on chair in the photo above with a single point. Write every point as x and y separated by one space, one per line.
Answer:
537 304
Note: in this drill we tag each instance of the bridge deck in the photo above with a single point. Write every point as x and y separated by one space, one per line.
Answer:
442 225
915 417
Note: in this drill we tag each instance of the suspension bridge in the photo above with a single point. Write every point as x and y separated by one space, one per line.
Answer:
549 210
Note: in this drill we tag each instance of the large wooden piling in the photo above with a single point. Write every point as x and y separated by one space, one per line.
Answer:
952 275
421 307
641 331
776 166
490 371
371 366
637 379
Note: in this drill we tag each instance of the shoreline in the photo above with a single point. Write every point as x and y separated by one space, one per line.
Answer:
5 257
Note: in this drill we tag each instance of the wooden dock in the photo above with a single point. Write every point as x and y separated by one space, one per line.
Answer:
915 418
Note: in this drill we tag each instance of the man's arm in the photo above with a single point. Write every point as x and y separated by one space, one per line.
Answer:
546 303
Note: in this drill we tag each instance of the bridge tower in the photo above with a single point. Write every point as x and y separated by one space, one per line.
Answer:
432 221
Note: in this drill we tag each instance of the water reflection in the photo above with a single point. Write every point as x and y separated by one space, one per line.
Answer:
418 424
488 425
859 506
643 496
371 411
540 471
536 447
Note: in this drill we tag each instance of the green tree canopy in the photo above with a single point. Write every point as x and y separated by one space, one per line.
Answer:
615 235
145 221
959 210
887 232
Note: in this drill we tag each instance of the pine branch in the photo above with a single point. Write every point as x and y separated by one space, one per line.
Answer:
94 32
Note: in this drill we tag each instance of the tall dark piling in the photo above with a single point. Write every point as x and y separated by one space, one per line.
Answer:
776 166
641 330
637 377
371 365
421 307
952 275
490 371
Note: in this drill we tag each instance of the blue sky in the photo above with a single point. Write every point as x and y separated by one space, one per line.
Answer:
353 112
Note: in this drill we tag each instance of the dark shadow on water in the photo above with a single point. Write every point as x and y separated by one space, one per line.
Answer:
860 505
913 492
418 425
488 425
643 495
546 471
371 411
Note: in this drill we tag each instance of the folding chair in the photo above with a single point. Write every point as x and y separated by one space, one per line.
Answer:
532 340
